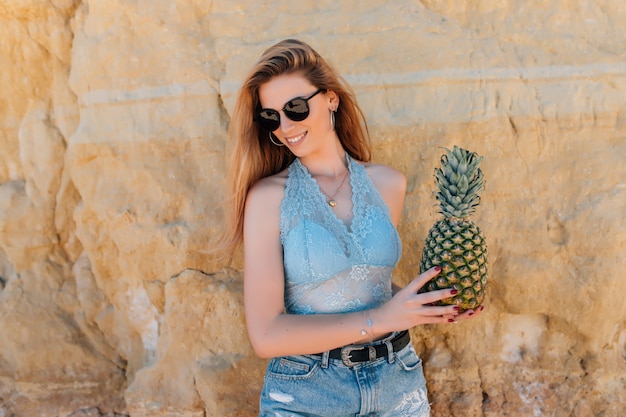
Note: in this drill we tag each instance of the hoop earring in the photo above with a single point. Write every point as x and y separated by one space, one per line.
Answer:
272 140
332 118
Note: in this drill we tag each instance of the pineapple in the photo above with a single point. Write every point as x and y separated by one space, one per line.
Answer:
454 242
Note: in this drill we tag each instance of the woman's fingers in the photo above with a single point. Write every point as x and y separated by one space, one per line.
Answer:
419 306
442 311
448 314
437 320
468 314
422 279
431 297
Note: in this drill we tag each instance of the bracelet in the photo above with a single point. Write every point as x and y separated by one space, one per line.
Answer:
370 326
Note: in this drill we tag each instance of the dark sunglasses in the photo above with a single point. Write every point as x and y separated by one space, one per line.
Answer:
296 109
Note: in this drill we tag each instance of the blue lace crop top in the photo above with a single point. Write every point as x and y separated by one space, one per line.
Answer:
331 267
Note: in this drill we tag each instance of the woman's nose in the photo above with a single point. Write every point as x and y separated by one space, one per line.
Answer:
285 123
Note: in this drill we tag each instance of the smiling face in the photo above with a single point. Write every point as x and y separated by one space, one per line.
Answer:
301 137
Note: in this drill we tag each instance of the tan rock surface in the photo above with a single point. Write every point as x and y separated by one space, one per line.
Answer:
113 118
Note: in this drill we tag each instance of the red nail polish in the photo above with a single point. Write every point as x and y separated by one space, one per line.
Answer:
438 268
457 308
471 313
454 292
450 320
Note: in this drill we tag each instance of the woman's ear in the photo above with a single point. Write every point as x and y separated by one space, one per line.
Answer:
333 100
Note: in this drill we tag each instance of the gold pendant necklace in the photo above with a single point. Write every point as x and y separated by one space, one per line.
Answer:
331 198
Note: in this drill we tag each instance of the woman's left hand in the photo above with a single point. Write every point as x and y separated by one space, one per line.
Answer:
468 314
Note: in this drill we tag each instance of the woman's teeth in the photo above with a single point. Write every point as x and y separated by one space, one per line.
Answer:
295 138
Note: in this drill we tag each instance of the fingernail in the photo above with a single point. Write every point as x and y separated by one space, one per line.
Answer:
454 292
482 308
457 308
438 268
451 320
471 313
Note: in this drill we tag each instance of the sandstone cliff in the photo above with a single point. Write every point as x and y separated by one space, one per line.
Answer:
113 119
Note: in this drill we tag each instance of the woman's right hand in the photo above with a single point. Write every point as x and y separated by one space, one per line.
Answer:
408 309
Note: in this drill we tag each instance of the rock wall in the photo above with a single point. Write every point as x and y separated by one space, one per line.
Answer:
113 119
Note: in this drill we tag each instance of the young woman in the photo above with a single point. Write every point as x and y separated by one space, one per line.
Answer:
318 226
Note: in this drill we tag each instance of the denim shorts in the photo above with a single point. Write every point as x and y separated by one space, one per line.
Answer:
317 386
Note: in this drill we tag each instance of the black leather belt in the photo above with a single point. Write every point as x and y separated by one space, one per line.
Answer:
352 354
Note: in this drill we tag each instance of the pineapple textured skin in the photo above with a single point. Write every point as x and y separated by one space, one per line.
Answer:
459 248
455 243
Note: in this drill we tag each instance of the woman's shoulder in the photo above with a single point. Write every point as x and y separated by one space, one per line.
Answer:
268 190
391 185
386 177
262 212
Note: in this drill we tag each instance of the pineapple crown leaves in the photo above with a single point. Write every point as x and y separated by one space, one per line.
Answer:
460 182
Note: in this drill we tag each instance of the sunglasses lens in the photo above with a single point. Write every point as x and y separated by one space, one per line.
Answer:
297 109
269 119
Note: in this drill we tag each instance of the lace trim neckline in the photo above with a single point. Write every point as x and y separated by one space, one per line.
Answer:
319 195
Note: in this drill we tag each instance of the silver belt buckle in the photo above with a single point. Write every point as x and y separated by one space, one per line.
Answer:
346 354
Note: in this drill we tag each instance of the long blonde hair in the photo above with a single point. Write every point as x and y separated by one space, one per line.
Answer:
253 156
